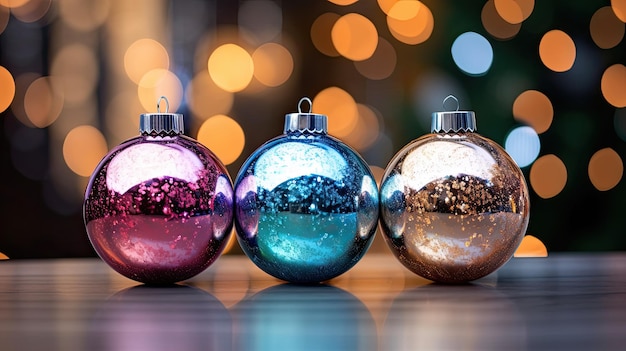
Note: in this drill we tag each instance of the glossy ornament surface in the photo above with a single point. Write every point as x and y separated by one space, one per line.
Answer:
454 205
159 207
306 204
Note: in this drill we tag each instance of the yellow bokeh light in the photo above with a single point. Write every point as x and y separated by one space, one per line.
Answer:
613 85
205 99
13 3
382 63
273 64
619 7
32 11
340 108
231 67
557 51
42 102
355 37
534 109
84 15
548 176
605 169
143 56
531 246
343 2
410 22
157 83
496 25
320 33
365 131
514 11
607 31
224 136
7 93
83 148
77 66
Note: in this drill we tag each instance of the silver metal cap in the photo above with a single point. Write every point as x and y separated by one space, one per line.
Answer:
453 121
305 122
161 123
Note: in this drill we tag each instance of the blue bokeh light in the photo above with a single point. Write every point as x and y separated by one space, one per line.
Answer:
472 53
523 145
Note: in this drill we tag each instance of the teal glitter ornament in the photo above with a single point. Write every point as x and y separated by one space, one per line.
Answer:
306 204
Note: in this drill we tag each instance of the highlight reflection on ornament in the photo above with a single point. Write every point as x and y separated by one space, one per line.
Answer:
159 207
454 205
306 204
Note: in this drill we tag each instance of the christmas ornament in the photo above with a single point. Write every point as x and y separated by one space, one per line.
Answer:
306 204
454 205
159 207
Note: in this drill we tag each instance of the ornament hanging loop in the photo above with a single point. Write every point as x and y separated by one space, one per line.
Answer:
167 104
307 100
451 97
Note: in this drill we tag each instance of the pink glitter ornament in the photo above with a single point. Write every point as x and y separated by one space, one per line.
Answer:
158 208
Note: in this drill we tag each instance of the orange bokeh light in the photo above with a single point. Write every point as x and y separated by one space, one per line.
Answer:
496 25
548 176
143 56
224 136
606 169
531 246
534 109
83 148
231 67
514 11
7 93
273 64
410 22
42 102
613 85
157 83
340 108
557 51
355 37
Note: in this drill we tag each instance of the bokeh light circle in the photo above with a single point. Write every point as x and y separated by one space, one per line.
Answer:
533 108
523 145
340 108
548 176
605 169
472 53
143 56
205 99
273 64
7 93
83 148
43 102
557 51
607 31
231 67
157 83
410 22
495 25
320 33
354 36
224 136
382 63
514 11
619 7
613 85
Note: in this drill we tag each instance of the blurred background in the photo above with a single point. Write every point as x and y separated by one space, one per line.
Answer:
546 79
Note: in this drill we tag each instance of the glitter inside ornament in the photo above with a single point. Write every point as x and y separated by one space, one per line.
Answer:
306 204
159 207
454 205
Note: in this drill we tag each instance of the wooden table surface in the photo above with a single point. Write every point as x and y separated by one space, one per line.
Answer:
563 302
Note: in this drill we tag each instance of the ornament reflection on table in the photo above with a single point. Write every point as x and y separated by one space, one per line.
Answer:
159 207
306 204
454 205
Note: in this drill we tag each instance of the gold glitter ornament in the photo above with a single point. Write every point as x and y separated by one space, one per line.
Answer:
454 204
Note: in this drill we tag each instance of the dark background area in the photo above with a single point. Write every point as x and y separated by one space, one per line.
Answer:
38 219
